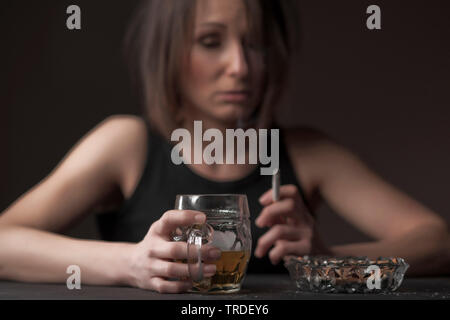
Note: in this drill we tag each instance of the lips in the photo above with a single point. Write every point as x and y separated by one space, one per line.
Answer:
234 96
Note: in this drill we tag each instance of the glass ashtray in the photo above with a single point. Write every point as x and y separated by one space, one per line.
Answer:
346 274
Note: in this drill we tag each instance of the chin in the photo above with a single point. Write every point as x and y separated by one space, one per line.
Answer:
231 113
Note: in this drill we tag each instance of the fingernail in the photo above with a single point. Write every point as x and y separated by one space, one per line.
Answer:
214 253
210 269
200 218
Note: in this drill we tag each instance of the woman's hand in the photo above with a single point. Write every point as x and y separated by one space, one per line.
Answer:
292 228
152 261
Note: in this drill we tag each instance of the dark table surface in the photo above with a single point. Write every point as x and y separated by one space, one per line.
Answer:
261 287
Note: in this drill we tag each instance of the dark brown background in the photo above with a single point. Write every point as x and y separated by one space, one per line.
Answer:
384 94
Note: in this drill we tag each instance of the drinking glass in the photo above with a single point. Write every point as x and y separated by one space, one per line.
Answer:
227 228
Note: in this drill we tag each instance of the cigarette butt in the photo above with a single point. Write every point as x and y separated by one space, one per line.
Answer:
276 185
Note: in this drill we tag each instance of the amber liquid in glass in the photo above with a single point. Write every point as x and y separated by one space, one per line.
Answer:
230 271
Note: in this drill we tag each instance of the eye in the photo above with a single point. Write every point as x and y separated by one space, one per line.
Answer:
210 41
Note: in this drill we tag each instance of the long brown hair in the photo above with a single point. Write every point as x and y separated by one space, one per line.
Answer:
155 45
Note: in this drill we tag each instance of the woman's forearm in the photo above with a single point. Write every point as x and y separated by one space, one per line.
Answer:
426 250
31 255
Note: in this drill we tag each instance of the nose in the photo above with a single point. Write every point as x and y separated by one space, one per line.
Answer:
237 61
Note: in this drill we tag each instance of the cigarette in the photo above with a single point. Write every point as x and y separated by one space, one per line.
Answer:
276 185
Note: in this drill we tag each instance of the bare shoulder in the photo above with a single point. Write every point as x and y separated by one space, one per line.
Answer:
115 149
126 136
310 151
118 137
316 147
113 152
95 174
123 126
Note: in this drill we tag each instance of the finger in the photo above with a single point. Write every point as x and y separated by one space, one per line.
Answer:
164 286
208 254
172 250
172 219
277 211
284 247
168 250
275 233
168 269
213 255
286 191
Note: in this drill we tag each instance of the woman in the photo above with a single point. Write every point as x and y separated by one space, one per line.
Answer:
221 62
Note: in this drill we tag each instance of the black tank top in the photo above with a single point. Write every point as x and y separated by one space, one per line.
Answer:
162 180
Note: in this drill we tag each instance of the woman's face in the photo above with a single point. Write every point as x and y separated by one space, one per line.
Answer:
223 77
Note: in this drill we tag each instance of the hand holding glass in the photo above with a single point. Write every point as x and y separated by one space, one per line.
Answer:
227 228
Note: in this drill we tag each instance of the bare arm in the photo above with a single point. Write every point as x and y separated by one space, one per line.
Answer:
400 225
32 255
30 249
426 255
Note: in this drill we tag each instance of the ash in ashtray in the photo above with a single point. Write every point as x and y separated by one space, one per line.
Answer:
346 274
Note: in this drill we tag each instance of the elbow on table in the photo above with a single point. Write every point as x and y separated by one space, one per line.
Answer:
438 232
435 260
434 229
